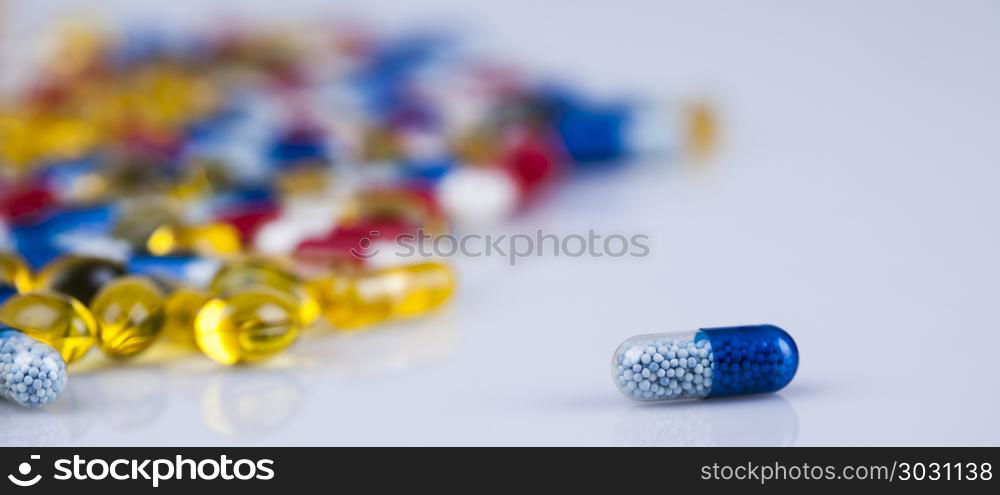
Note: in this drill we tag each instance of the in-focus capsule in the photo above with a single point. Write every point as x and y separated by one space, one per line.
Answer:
55 319
712 362
247 326
129 314
32 373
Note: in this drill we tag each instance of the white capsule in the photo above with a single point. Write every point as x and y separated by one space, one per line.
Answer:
478 197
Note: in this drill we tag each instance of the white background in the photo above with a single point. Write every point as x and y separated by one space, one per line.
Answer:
855 203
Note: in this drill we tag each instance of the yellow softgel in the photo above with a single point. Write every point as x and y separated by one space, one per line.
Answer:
428 287
352 301
14 272
213 239
60 321
129 314
348 308
29 137
180 310
140 217
268 272
247 326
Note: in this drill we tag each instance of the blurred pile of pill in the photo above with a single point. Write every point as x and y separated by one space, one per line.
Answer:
227 190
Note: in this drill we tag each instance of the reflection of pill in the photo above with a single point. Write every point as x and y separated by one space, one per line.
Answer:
713 362
32 374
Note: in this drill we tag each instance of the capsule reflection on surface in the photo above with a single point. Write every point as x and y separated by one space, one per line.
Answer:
712 362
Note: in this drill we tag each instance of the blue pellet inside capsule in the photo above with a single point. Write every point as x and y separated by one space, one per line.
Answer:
751 359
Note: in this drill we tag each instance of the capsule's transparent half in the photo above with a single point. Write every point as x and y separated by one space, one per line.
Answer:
32 374
712 362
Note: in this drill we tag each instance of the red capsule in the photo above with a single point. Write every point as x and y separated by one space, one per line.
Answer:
250 221
352 243
22 203
534 161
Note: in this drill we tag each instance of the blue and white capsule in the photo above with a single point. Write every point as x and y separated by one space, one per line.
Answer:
710 362
32 374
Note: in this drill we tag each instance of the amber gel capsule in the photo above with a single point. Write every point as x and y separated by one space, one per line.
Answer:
248 325
14 272
357 300
55 319
129 314
180 310
213 239
268 272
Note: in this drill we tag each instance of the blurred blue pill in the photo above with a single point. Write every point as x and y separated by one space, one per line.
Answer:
192 270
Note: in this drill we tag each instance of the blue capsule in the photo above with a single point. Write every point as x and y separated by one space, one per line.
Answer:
244 198
32 374
713 362
593 134
59 232
184 269
297 146
6 292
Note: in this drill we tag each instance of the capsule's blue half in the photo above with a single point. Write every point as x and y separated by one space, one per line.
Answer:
172 267
751 359
6 292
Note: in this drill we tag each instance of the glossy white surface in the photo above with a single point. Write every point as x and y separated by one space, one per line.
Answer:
855 204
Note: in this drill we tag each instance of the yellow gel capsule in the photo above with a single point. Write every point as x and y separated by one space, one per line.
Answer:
267 272
28 137
129 314
702 133
304 181
428 287
213 239
65 138
380 145
140 217
179 311
247 326
352 301
14 272
478 147
80 277
60 321
345 306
